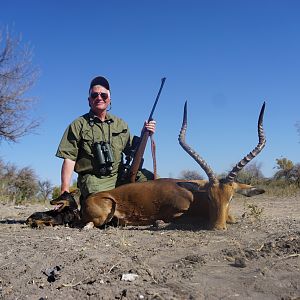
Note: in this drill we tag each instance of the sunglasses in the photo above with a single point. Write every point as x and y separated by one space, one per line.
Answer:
94 95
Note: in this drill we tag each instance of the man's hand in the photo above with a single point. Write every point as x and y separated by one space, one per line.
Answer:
151 126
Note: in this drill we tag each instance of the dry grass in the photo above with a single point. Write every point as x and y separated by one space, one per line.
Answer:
281 189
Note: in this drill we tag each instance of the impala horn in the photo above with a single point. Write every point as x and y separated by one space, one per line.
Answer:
261 144
207 169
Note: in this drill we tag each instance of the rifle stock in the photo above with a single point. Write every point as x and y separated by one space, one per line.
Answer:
136 162
138 156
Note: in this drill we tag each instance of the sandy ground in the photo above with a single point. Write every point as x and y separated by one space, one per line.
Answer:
257 258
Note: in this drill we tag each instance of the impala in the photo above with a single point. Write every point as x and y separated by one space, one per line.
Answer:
216 194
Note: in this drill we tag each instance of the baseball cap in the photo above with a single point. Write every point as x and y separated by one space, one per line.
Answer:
99 80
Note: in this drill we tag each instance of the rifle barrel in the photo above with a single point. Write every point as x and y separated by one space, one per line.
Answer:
138 156
157 97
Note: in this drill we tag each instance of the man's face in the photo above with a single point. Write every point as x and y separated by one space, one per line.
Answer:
99 98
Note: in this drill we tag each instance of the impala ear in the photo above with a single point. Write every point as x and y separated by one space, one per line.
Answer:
249 192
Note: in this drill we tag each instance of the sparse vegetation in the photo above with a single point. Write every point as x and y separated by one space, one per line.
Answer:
254 211
285 182
280 188
21 185
251 174
287 171
190 175
45 189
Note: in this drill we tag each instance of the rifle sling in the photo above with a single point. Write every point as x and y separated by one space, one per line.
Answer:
153 152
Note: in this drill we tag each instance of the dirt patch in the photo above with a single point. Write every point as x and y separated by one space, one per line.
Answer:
257 258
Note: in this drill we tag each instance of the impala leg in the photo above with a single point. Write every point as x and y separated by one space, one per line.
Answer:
98 211
231 219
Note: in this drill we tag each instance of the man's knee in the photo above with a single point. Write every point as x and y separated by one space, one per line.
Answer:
89 184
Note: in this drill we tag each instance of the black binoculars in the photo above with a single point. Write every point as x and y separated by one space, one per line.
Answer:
104 157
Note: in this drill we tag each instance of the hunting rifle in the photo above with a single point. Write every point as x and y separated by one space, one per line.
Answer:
140 149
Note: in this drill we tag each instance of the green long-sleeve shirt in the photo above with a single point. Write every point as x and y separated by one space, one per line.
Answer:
77 142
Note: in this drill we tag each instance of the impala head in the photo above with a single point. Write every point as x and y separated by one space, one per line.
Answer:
220 192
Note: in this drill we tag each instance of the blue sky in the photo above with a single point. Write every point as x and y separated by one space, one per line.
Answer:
224 57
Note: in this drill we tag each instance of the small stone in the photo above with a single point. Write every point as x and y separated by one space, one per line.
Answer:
129 277
240 262
159 224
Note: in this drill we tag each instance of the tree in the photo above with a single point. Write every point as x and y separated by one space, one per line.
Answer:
56 192
251 174
287 171
45 189
17 185
17 76
26 184
295 174
284 166
7 180
190 175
